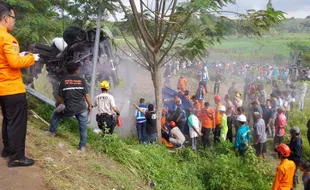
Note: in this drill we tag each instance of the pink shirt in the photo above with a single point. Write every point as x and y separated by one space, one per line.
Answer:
280 122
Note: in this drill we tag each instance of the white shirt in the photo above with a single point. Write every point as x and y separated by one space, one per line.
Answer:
177 134
105 103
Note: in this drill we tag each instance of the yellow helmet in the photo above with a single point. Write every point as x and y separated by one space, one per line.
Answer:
105 84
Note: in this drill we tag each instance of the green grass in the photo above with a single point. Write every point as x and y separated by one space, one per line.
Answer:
270 47
215 168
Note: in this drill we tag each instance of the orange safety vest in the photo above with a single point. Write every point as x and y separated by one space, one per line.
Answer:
10 64
285 175
207 118
218 116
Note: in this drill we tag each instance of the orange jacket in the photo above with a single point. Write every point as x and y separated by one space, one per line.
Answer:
285 175
163 121
10 64
206 118
218 116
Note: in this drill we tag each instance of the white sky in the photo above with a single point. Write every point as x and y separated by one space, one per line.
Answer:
293 8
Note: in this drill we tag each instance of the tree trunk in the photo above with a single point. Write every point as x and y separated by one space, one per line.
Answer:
158 98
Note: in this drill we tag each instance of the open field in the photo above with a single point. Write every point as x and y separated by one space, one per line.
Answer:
271 48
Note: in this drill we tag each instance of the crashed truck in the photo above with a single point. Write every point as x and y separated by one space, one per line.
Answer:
77 46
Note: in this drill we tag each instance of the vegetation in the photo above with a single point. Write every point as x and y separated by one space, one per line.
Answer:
216 168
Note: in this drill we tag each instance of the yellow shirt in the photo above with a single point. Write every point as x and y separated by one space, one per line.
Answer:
10 64
284 177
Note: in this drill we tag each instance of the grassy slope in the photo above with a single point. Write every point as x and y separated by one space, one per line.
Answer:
65 168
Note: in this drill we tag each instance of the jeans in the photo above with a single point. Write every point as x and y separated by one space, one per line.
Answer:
216 88
82 119
217 134
206 137
150 138
140 130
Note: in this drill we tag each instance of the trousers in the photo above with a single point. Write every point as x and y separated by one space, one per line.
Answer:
14 124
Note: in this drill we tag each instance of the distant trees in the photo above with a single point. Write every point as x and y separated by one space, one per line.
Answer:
304 48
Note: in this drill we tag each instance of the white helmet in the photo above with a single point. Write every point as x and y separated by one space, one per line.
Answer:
241 118
222 108
60 43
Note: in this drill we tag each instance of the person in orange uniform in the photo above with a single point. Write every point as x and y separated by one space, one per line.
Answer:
206 118
12 91
196 105
182 84
218 119
285 170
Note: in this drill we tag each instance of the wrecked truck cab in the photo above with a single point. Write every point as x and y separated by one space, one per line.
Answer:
79 49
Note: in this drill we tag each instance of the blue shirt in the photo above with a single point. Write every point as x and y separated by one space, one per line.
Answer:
242 138
140 116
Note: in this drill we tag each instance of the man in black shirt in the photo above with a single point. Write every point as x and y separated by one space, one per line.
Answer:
296 150
151 130
72 92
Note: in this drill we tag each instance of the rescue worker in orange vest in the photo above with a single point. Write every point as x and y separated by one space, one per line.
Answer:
218 119
182 84
12 91
285 170
196 105
206 118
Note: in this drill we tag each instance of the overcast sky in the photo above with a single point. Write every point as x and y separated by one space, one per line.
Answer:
293 8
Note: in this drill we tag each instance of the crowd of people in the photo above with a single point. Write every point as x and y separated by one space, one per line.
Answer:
243 116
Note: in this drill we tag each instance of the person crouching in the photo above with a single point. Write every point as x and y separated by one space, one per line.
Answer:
176 136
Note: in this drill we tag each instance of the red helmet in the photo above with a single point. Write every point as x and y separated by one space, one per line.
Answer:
217 97
172 124
284 150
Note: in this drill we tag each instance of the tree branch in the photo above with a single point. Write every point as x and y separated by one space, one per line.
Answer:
161 22
152 40
140 27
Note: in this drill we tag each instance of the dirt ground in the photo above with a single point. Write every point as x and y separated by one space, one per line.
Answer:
20 178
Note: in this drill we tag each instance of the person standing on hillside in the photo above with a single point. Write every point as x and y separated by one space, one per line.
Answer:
296 150
194 132
224 127
260 137
201 92
218 119
243 135
301 98
230 111
73 92
151 130
182 84
308 131
232 91
217 82
141 120
12 91
285 170
280 125
206 118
